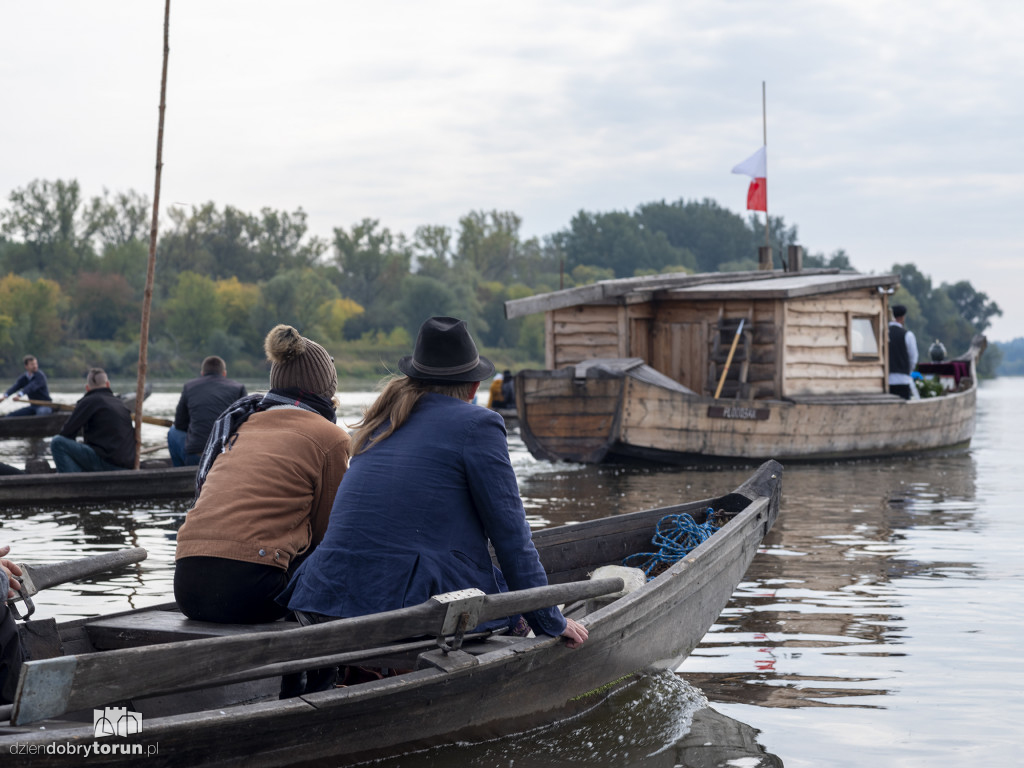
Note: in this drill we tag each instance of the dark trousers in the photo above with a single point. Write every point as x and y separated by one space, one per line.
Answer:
10 655
903 390
228 591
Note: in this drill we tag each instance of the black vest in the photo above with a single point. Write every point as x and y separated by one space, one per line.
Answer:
899 358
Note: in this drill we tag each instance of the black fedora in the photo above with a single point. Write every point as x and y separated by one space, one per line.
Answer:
445 352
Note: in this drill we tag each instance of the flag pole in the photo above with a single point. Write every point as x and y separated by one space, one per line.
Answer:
764 126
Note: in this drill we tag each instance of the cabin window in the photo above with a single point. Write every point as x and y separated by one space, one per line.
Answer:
863 337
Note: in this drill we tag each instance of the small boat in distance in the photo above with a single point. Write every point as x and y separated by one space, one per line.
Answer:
743 366
155 479
208 693
26 427
49 424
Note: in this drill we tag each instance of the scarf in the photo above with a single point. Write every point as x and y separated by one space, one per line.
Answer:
225 429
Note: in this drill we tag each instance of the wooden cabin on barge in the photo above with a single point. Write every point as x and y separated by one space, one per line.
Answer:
647 368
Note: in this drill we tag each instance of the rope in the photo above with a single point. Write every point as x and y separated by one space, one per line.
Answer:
675 537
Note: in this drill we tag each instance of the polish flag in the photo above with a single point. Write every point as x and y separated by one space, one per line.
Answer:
756 167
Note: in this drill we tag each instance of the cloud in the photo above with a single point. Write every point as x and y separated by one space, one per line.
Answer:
892 128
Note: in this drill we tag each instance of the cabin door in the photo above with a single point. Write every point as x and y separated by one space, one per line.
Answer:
679 351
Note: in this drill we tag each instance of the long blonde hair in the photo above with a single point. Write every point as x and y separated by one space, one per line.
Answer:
398 397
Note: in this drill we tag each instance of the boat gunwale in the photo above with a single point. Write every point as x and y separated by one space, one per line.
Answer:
521 655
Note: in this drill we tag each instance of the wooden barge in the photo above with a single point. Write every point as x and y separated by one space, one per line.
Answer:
646 368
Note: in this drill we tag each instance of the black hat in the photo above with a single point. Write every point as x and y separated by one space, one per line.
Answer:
445 352
898 310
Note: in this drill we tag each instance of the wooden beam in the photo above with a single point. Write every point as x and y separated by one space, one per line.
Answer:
51 687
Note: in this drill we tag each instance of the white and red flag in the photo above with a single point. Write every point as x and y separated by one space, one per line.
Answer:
756 167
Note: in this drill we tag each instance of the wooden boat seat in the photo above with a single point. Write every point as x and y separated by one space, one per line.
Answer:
165 626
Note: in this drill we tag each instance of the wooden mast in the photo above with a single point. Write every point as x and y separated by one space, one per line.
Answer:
764 126
147 300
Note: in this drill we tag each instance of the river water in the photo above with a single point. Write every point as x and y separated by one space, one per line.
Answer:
878 626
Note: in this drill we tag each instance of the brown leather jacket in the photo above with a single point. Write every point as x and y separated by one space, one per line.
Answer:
268 498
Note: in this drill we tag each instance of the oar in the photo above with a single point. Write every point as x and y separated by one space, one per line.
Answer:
37 577
66 407
51 687
728 360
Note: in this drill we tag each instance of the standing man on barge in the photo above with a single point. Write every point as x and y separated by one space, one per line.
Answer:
902 354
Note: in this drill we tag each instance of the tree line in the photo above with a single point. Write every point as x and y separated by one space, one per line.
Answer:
72 276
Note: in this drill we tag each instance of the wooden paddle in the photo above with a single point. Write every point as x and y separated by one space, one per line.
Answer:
728 360
51 687
66 407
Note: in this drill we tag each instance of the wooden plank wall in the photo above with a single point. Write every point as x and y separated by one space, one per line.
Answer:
684 347
816 351
678 338
586 331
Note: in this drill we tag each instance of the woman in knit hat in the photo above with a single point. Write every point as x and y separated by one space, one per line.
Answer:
265 485
397 538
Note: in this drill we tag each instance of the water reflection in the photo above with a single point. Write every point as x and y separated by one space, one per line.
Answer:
660 722
882 606
821 598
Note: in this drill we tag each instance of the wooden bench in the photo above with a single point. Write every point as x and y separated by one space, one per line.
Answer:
131 630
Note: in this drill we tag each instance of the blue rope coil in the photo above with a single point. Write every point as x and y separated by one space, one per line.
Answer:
675 537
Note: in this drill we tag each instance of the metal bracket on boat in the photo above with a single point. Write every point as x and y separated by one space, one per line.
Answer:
462 610
30 607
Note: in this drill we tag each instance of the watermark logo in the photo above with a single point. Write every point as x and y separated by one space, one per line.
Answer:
116 721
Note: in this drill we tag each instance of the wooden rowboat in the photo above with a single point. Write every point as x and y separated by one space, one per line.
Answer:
149 482
208 693
732 367
45 425
49 424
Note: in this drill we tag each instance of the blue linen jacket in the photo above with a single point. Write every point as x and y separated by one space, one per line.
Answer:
34 387
413 516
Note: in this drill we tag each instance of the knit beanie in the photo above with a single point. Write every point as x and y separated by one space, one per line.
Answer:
296 361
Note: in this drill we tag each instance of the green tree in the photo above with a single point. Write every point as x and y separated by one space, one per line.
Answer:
104 307
232 243
424 297
241 306
297 297
952 314
192 313
780 237
620 242
121 218
30 315
973 306
489 243
127 260
279 240
838 260
432 251
334 315
708 233
45 216
371 265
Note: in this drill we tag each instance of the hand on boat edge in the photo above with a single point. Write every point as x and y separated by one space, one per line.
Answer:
12 570
575 634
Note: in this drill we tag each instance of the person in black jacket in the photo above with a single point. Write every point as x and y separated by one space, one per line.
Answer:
106 427
11 654
202 401
31 385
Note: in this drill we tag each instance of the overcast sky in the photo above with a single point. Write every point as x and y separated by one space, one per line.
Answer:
894 129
